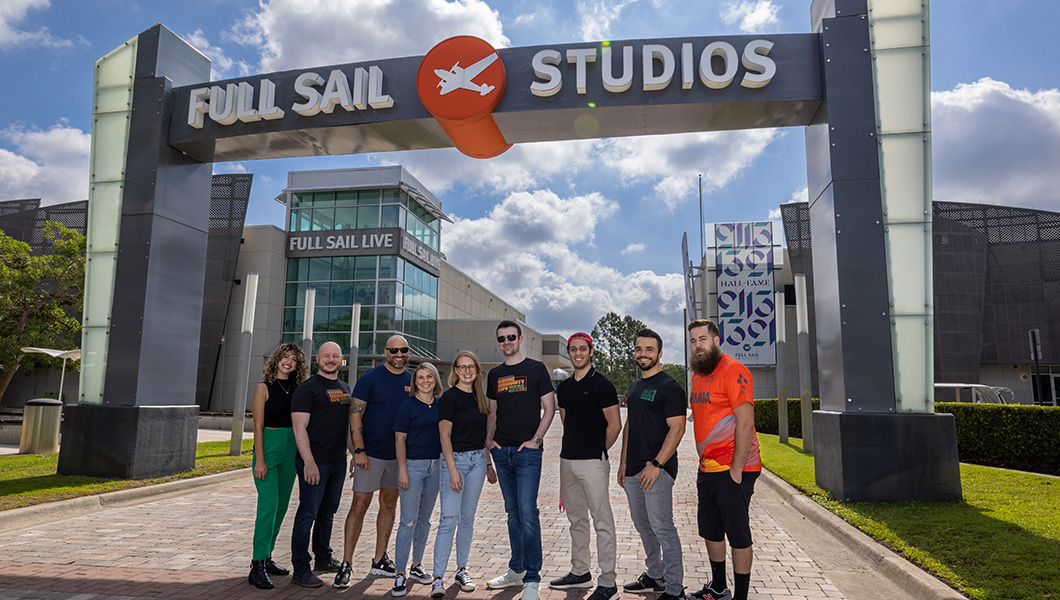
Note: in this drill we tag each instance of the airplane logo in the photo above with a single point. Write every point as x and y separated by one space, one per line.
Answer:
459 78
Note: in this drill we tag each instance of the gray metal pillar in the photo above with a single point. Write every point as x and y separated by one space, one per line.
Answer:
246 334
802 320
782 364
142 418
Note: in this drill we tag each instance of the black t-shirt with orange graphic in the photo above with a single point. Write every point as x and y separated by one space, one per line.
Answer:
517 390
328 403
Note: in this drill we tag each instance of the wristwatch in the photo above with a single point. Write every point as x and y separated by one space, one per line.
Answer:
358 450
656 464
540 443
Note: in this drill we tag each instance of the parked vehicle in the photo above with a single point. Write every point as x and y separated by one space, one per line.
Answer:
973 392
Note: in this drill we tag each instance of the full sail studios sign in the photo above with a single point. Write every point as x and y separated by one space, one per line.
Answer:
364 242
467 94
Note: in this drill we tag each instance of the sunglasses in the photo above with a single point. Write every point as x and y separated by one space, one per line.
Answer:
404 350
511 338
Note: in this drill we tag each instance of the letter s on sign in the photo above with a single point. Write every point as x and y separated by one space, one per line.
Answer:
544 64
760 68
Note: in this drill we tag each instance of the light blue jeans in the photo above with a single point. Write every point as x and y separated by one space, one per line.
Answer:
417 503
458 509
519 476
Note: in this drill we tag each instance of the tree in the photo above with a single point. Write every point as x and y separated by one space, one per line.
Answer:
40 298
676 371
613 339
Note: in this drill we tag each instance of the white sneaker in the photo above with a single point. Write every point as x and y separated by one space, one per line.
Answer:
438 588
510 578
464 579
531 591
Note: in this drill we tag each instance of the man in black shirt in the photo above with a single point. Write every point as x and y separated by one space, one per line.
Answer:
319 416
522 406
655 424
588 407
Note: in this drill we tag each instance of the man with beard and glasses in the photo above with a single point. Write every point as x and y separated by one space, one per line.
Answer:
729 462
319 417
376 398
655 424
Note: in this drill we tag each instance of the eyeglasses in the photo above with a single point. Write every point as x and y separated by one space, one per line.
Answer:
404 350
511 338
463 368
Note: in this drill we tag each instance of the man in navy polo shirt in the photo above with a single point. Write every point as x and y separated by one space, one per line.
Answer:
376 398
588 407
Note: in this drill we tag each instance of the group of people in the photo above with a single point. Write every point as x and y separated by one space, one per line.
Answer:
415 444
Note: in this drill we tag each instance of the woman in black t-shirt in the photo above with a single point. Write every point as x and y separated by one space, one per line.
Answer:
274 451
462 412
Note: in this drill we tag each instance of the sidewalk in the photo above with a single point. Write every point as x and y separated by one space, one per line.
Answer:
197 545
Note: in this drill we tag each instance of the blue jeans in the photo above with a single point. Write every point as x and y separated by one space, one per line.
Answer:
316 511
519 475
458 509
417 504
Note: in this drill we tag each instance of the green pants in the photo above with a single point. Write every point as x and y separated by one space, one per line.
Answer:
274 492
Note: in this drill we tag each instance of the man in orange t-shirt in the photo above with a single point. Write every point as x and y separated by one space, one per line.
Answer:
722 399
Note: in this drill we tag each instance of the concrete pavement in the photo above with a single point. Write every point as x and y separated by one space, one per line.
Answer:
195 543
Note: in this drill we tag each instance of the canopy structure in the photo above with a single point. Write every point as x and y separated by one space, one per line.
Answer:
74 354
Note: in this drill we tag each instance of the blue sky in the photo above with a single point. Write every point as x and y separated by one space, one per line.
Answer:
613 210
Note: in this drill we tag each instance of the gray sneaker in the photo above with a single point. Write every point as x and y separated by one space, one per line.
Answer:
438 588
531 591
510 578
418 575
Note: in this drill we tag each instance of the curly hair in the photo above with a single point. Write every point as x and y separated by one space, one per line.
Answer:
476 384
272 364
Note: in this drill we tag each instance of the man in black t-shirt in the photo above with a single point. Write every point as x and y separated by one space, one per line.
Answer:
588 407
320 411
522 406
655 424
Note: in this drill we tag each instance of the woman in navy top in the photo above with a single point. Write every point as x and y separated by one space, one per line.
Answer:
462 412
418 448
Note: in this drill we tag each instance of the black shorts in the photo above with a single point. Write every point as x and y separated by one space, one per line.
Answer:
723 507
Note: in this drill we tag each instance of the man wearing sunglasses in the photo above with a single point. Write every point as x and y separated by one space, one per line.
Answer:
522 405
376 398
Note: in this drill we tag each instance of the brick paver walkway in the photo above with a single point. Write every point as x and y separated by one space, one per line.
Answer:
198 546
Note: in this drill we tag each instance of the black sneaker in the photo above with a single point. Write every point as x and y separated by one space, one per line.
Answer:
400 586
328 564
418 575
645 585
307 580
570 581
342 578
665 596
604 593
384 567
708 594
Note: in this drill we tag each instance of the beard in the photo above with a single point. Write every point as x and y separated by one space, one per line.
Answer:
649 366
703 363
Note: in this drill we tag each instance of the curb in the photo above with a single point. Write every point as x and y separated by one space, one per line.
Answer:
910 578
21 518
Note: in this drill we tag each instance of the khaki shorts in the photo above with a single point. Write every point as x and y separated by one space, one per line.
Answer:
379 474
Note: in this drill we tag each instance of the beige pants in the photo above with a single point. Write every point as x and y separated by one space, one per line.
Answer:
584 485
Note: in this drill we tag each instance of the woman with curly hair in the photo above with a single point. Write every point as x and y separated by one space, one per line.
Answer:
274 451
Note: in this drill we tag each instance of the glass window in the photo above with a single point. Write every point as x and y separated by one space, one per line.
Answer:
384 320
389 216
404 198
295 295
345 217
342 268
390 292
367 319
297 269
301 220
324 199
365 267
367 217
364 292
301 199
390 196
341 320
292 319
319 269
342 293
388 267
346 198
368 197
323 297
323 219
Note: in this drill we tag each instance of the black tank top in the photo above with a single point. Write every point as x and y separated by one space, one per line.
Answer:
278 405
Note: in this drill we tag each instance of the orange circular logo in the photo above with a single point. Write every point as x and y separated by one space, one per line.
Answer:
461 78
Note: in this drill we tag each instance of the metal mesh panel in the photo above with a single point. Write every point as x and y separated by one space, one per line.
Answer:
796 218
229 195
960 281
24 220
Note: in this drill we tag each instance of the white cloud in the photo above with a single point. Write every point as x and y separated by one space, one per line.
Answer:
12 12
527 251
221 66
595 17
996 145
633 249
51 164
308 33
800 195
751 16
774 214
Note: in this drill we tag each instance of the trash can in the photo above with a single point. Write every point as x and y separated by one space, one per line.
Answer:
40 426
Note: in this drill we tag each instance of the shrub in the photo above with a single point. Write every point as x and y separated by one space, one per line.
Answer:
1015 436
766 416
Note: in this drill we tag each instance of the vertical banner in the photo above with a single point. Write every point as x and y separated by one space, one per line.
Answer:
744 267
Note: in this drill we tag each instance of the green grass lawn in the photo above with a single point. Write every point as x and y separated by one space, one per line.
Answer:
1003 541
28 479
